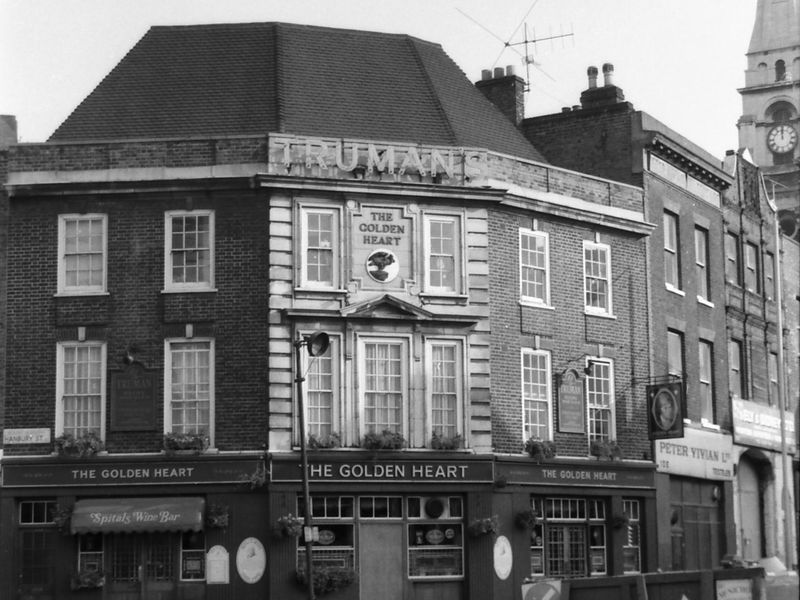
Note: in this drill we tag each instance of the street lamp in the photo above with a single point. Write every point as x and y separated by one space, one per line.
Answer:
316 344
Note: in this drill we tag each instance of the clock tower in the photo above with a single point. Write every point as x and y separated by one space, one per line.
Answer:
770 123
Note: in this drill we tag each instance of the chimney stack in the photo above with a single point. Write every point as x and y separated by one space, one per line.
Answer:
607 95
8 131
506 90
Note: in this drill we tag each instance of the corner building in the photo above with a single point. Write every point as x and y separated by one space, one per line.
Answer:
165 260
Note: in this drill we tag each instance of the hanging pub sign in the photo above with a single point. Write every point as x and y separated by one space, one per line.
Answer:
570 402
665 407
133 398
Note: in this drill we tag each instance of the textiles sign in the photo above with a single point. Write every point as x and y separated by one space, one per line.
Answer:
346 159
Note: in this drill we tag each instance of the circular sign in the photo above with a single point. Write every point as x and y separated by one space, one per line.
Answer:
435 536
542 590
326 537
251 560
503 557
382 265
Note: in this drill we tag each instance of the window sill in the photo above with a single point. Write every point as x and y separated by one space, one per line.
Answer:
189 291
674 290
705 424
705 302
535 304
601 315
320 291
80 293
445 298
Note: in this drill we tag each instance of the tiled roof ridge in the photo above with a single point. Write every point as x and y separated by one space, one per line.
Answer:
411 41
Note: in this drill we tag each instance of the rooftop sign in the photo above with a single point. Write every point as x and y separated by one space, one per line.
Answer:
346 159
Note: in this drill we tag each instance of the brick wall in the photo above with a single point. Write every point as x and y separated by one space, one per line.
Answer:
136 313
565 330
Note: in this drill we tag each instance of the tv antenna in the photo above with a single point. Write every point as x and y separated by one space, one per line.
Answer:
527 57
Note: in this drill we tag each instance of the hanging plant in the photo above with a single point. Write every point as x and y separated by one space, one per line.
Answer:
87 579
257 478
288 526
385 440
193 443
328 579
61 517
606 449
539 449
526 519
479 527
324 442
82 446
620 521
445 442
218 516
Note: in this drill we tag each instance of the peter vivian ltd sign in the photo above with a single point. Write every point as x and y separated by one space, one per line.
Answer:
340 159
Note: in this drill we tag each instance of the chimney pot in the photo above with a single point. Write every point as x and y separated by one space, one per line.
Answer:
510 70
565 109
486 74
576 107
608 74
592 73
499 72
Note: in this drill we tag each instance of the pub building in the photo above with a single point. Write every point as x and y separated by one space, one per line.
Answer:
476 419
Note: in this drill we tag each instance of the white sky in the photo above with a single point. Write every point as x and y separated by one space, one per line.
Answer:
679 60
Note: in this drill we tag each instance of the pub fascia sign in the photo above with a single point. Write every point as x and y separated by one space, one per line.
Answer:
442 164
406 471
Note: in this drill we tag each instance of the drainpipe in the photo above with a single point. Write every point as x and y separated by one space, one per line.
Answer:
788 530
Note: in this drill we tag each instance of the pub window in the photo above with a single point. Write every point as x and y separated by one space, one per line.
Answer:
534 267
82 252
600 399
189 252
632 546
445 387
319 252
569 538
90 552
597 277
384 383
36 550
193 556
322 397
443 254
435 537
334 518
536 394
189 369
80 388
380 507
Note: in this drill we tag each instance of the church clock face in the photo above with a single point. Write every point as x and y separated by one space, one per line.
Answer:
782 139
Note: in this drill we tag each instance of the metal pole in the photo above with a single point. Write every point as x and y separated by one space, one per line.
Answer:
307 526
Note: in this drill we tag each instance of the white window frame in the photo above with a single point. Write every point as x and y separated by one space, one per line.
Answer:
335 213
672 250
459 380
544 299
60 387
331 357
63 287
548 400
751 270
168 344
674 337
405 356
591 362
605 249
705 377
194 286
458 254
702 272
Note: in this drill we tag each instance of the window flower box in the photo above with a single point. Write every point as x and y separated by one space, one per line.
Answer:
185 443
444 442
385 440
87 579
82 446
539 449
605 449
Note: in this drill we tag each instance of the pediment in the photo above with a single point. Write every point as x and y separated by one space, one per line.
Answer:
386 306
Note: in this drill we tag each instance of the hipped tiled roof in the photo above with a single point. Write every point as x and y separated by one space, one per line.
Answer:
255 78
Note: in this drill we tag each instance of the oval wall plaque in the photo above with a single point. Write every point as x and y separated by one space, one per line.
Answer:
251 560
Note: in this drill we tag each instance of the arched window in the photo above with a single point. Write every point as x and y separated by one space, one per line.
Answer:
780 70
